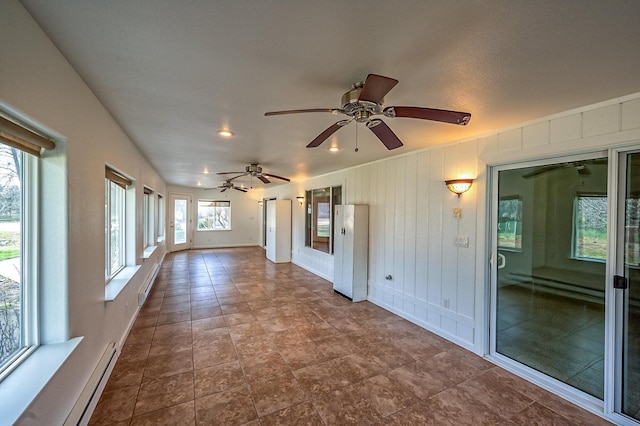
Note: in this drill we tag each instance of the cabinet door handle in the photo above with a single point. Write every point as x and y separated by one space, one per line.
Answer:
343 231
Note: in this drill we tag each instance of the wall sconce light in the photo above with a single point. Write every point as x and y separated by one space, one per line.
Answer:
300 199
259 203
458 186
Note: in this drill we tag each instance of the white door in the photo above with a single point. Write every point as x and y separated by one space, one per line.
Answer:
271 229
180 222
338 251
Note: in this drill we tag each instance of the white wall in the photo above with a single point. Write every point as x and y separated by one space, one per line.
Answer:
246 217
37 81
412 230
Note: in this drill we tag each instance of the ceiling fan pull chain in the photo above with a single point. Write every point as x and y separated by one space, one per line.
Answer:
356 150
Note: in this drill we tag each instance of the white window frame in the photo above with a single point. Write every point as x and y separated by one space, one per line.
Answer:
148 216
29 332
223 205
161 217
110 270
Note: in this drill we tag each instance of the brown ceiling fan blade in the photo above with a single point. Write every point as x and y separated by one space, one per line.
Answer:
298 111
223 189
239 189
277 177
236 177
325 135
263 179
229 173
376 87
384 133
443 115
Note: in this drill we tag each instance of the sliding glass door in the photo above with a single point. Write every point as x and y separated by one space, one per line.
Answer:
565 281
626 285
551 246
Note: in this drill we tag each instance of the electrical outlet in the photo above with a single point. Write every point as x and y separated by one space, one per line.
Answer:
457 213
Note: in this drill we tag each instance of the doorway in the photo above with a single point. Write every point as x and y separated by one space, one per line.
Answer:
563 235
180 222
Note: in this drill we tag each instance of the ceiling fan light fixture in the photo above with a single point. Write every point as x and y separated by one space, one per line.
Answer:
225 133
459 186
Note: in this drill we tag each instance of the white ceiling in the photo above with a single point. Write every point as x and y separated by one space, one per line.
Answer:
172 73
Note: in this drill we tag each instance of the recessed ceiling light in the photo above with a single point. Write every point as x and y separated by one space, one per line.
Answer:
333 149
225 133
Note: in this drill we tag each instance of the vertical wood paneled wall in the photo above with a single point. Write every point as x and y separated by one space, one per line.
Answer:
412 230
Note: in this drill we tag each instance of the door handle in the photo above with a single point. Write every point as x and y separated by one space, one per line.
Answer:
343 231
501 261
620 282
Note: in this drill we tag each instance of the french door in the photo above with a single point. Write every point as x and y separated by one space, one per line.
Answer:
565 281
180 222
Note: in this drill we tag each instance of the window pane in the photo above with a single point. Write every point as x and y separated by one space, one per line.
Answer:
214 215
307 218
321 226
116 230
180 221
145 219
11 302
160 217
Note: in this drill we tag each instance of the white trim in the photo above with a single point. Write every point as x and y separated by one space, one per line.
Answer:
119 282
27 381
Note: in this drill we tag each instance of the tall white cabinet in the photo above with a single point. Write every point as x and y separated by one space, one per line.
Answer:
279 231
351 250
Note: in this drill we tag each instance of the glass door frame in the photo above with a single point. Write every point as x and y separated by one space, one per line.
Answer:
617 315
554 385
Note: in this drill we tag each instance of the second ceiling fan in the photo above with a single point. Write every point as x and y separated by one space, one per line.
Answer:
254 170
366 100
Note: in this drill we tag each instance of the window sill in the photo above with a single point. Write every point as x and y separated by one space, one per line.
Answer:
119 282
26 382
213 230
148 252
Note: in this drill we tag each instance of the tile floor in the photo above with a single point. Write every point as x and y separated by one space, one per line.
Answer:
229 338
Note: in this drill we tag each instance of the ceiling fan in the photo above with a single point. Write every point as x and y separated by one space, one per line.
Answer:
365 100
254 170
227 184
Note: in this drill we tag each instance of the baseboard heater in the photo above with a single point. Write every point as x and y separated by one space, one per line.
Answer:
86 403
142 296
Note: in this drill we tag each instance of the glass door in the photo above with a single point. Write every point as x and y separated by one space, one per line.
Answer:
626 285
180 222
550 250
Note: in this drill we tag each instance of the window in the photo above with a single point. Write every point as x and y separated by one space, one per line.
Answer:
214 215
147 218
115 202
590 227
161 213
319 217
19 151
510 223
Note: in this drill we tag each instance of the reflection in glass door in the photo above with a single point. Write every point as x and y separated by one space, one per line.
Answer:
550 225
628 288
